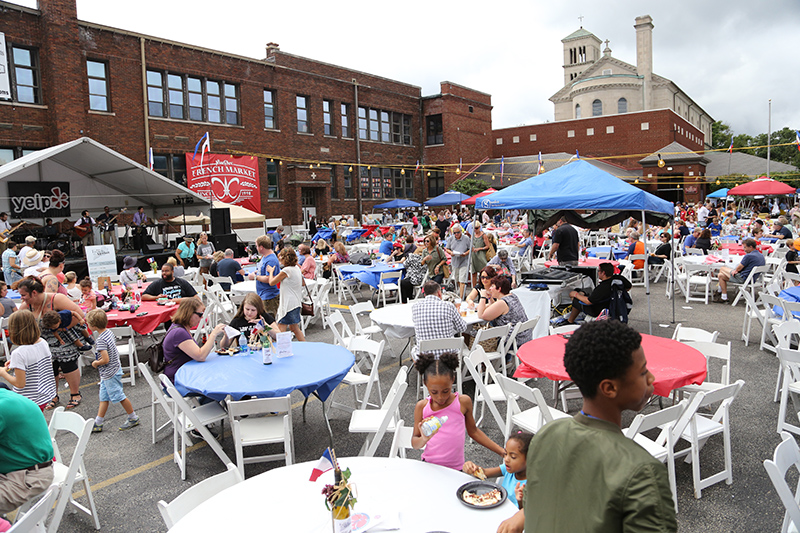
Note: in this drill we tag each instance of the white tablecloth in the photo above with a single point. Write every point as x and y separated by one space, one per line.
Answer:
154 276
283 499
536 303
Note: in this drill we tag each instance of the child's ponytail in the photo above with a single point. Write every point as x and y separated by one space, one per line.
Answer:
445 364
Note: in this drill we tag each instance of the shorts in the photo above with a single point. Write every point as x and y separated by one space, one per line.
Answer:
460 274
271 305
66 366
737 278
111 389
292 317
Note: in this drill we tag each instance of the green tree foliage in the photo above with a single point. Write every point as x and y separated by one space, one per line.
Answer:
469 186
721 138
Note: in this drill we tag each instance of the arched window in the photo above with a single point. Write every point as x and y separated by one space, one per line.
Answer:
597 108
577 110
622 105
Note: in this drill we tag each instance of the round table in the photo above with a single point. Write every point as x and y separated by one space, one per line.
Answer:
371 275
603 252
586 262
673 364
387 487
397 322
314 367
248 286
156 315
116 290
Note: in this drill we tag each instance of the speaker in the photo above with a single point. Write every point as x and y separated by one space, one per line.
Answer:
152 248
225 241
221 221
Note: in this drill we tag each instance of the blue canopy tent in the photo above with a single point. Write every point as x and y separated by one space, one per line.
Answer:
582 186
720 193
448 198
397 204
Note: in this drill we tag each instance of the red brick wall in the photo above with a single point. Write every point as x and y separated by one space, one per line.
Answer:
628 137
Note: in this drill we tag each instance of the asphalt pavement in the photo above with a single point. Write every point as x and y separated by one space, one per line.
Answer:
129 474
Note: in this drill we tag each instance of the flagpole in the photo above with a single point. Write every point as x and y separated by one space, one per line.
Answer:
730 155
769 134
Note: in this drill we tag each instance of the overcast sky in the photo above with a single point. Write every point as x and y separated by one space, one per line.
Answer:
731 57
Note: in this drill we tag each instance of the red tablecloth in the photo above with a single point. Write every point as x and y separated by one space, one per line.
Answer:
156 315
588 262
244 261
116 290
737 249
673 364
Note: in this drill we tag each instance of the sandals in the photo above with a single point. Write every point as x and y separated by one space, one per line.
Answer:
73 403
52 404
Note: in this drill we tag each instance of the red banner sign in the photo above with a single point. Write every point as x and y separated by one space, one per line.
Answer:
225 178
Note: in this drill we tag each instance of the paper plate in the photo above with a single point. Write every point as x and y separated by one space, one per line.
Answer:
481 487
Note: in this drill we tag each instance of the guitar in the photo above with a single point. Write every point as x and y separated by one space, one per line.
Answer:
5 235
82 230
105 226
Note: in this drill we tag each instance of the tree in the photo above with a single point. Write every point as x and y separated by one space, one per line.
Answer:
469 186
720 135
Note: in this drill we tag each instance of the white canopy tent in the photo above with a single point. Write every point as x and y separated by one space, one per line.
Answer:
98 176
239 215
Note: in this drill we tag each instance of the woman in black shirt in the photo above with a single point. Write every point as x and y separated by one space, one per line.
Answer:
663 251
703 242
250 313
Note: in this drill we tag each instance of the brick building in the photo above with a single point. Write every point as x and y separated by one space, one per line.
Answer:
329 137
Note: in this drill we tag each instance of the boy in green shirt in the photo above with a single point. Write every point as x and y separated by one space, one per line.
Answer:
583 473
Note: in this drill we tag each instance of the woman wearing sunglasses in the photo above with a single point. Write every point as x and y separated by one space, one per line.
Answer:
486 274
179 346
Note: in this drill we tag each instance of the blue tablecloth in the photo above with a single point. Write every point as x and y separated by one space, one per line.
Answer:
602 252
14 295
323 233
369 275
315 366
355 234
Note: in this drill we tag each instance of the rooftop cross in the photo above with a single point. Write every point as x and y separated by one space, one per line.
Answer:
580 18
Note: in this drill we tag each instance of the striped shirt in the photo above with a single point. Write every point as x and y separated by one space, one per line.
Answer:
108 342
35 361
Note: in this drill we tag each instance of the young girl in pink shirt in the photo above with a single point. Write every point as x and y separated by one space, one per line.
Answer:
445 447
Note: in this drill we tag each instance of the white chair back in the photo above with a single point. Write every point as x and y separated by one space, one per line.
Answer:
33 520
541 414
684 334
401 441
256 431
486 385
787 454
157 397
197 495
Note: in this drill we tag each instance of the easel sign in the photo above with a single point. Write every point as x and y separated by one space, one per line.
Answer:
102 261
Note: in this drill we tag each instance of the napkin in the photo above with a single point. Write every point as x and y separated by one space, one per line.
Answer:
232 333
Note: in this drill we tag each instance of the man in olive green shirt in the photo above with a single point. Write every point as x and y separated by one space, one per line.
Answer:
583 473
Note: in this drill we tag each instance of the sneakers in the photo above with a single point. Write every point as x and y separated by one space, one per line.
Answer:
558 321
89 340
85 348
97 428
129 424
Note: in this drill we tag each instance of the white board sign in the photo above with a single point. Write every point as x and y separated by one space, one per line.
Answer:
5 83
102 261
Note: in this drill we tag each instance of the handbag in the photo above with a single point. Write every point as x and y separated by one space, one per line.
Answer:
307 309
491 252
489 345
155 357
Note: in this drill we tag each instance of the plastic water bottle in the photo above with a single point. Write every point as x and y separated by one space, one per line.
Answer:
429 427
242 342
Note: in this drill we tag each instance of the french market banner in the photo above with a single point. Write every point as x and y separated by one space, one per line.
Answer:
225 178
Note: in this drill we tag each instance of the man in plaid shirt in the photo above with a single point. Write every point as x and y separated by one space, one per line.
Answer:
434 318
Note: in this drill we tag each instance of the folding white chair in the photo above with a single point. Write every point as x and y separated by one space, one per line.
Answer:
221 304
697 276
33 520
126 347
454 344
753 310
694 251
215 280
197 494
422 283
561 330
66 475
390 281
376 422
487 389
714 353
345 285
321 300
187 418
356 377
788 373
786 455
519 327
356 310
253 430
672 421
401 441
702 427
157 397
342 335
684 334
531 419
637 280
4 342
774 313
756 279
501 334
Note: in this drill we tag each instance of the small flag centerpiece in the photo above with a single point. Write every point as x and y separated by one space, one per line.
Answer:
339 497
153 264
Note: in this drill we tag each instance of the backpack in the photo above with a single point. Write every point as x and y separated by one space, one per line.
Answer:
621 302
154 355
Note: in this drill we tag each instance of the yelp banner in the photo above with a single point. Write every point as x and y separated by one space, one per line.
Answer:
225 178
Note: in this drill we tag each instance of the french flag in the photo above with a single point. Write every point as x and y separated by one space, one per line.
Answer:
541 164
325 464
797 133
206 147
730 148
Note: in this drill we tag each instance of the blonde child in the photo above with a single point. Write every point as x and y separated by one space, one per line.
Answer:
59 321
108 365
514 467
88 299
445 447
73 290
31 361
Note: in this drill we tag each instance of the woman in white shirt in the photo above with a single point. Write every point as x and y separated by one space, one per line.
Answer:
291 293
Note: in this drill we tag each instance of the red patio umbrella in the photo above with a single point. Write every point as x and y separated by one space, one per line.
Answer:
471 200
762 186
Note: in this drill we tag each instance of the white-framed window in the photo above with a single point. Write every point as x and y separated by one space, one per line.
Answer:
499 141
515 139
570 133
589 132
99 94
645 126
533 137
609 129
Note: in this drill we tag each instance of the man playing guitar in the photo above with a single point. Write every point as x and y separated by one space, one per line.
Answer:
5 230
108 226
83 228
